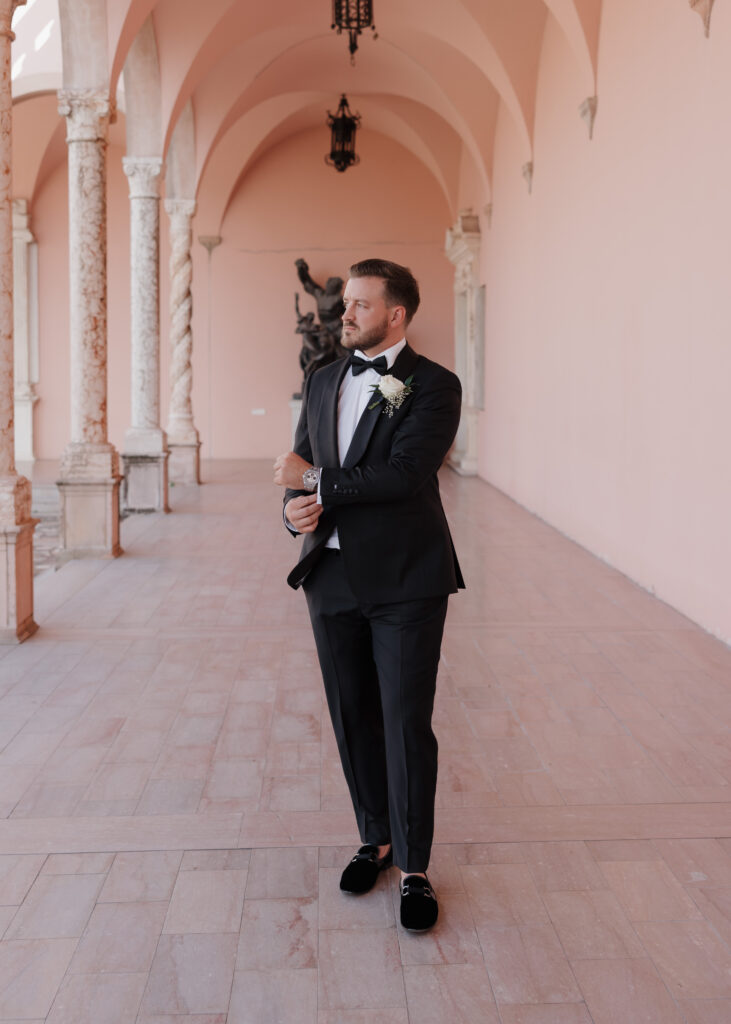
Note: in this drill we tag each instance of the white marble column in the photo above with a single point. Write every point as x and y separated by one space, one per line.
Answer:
463 249
25 329
183 439
16 524
89 479
145 455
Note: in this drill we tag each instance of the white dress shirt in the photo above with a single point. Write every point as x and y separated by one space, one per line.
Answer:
355 394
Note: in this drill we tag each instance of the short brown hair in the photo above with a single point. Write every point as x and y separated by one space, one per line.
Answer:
400 287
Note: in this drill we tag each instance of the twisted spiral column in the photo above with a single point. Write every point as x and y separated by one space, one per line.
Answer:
183 438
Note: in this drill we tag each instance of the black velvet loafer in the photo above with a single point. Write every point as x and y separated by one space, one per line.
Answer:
419 907
361 874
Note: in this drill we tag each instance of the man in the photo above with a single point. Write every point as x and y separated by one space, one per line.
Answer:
377 566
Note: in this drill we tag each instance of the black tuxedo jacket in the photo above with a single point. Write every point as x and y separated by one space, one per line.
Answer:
384 498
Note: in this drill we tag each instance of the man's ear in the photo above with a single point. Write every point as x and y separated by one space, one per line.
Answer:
398 316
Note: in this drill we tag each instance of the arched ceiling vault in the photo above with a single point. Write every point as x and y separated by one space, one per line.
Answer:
266 124
233 60
395 73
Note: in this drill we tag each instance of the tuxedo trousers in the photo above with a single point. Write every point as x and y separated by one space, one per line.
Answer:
379 667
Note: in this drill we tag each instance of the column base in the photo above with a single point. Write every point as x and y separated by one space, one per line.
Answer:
89 492
145 485
463 464
16 583
184 466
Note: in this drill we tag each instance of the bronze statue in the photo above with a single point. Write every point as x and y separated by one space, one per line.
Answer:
320 341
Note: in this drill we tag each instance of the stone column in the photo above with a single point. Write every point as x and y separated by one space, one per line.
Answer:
89 483
16 524
145 454
25 329
183 440
463 249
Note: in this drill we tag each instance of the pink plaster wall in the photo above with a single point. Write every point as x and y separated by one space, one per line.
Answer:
289 205
608 355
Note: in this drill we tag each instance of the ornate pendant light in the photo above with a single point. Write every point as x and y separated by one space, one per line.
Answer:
343 125
352 16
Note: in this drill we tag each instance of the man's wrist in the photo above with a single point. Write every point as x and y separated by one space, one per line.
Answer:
311 478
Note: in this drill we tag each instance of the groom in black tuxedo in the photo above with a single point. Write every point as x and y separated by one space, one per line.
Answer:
377 566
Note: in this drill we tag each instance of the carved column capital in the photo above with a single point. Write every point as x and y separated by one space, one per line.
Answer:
463 248
180 208
88 114
21 217
143 173
7 10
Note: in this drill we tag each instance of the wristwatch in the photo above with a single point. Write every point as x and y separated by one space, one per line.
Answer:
311 478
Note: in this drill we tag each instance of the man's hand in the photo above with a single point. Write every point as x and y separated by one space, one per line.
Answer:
288 470
303 513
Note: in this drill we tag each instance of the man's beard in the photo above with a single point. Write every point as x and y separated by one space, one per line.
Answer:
366 340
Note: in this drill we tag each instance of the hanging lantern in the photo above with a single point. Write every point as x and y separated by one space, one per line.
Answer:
343 125
352 16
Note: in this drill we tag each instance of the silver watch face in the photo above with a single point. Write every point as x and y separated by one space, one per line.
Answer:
310 479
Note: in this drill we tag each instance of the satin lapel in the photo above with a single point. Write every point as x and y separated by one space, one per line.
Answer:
405 362
328 426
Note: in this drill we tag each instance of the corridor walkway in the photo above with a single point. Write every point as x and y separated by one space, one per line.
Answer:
173 821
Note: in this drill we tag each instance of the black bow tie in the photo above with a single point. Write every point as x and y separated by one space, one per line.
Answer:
358 365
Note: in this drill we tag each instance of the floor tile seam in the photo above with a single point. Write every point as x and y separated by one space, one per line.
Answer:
121 848
270 727
61 632
685 746
177 633
76 585
505 815
726 942
658 974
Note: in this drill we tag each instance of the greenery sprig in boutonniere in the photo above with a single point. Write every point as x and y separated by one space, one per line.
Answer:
392 391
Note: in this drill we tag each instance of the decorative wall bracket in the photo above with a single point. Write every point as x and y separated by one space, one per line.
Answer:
488 215
587 112
703 8
527 171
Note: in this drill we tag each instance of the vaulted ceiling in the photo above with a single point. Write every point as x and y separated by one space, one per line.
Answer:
435 78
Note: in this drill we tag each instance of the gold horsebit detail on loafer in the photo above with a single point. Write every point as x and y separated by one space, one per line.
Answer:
420 890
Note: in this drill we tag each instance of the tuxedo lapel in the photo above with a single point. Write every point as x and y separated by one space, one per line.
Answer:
328 426
362 435
405 362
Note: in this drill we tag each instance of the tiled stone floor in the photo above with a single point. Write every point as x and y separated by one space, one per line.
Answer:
173 820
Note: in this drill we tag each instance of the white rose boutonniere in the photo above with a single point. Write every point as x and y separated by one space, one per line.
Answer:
392 391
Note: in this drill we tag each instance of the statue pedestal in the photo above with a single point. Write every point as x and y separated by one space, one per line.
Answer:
295 407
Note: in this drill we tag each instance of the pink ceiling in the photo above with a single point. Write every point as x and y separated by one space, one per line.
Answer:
436 71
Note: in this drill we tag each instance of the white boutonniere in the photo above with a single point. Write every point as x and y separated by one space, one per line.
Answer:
392 391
